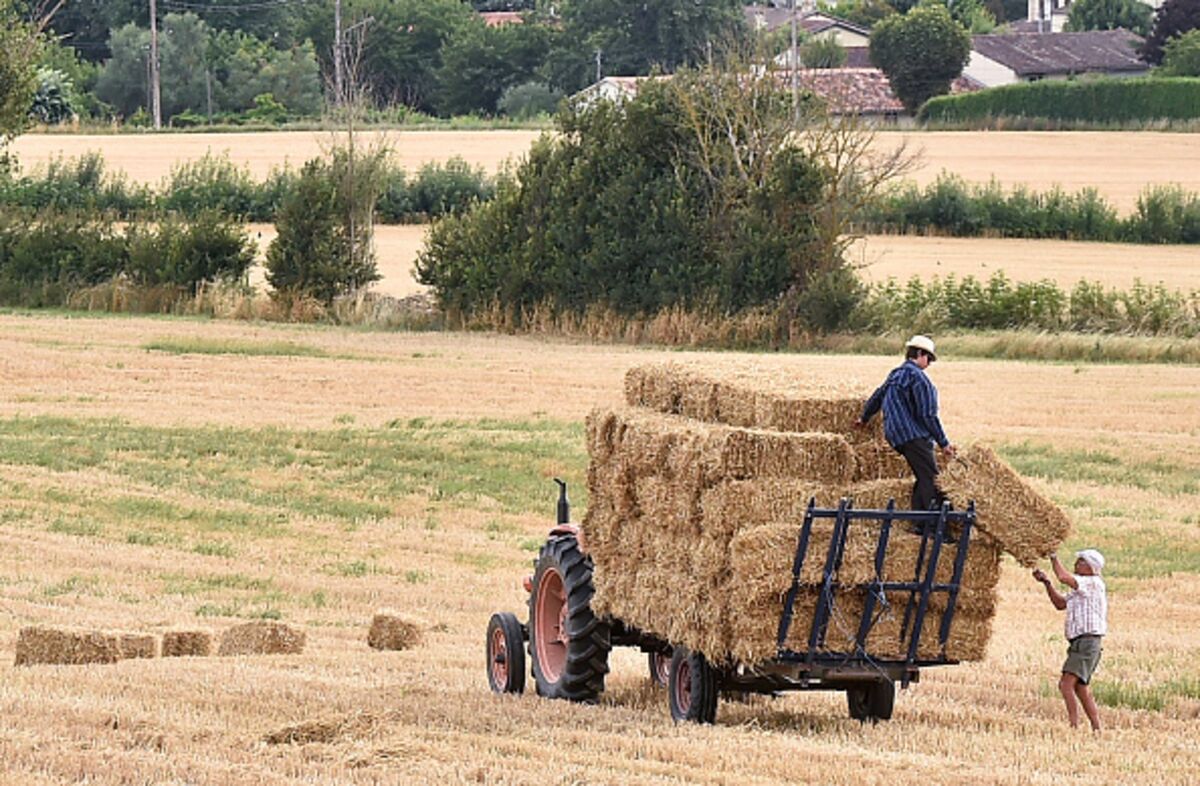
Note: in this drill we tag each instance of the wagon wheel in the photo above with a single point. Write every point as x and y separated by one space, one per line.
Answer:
873 701
660 667
568 645
505 654
692 688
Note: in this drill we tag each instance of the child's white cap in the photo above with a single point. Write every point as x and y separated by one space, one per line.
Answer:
1092 557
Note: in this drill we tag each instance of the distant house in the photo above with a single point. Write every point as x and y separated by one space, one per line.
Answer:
810 24
864 92
1027 57
501 18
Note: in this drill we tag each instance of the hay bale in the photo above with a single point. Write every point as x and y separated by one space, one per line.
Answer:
262 637
137 645
66 646
392 631
747 395
1024 523
187 644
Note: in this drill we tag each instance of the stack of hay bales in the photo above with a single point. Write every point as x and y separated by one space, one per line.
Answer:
180 643
698 491
66 646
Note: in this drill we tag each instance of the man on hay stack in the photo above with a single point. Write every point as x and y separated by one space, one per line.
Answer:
910 419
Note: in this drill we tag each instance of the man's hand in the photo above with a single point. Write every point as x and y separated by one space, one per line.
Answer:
950 450
860 425
1041 576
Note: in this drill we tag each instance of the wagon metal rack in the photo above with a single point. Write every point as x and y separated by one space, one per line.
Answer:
569 645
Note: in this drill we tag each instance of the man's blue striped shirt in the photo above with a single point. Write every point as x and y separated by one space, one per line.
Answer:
910 407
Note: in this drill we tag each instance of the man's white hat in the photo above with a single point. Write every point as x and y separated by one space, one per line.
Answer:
1092 557
924 343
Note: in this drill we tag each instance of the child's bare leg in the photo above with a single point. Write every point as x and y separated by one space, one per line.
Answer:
1066 686
1089 704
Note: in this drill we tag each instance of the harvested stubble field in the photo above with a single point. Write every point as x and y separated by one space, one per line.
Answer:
315 475
1118 265
879 257
1117 164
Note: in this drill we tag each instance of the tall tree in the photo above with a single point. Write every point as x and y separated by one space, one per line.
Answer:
1181 55
1173 18
1131 15
479 63
634 36
921 52
19 47
402 49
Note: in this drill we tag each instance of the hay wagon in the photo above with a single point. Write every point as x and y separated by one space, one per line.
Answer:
568 644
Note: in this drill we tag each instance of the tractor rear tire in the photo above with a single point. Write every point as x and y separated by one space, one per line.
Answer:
873 701
505 654
568 644
693 688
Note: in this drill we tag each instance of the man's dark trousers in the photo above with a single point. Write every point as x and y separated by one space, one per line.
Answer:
919 454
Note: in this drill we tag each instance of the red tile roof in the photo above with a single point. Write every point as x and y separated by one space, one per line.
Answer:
498 18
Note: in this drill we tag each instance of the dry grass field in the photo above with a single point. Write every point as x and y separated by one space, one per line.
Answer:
158 473
880 257
1118 164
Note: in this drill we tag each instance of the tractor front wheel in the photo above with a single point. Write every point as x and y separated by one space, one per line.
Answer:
873 701
568 645
692 688
505 654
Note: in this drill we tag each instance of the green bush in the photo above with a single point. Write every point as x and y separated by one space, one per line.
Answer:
210 247
73 184
951 303
1095 100
211 183
44 256
529 100
323 246
448 188
951 206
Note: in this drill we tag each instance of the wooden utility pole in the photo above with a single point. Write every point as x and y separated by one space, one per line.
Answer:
338 76
795 63
155 90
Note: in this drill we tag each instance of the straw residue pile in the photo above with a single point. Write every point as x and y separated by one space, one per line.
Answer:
262 637
698 492
392 631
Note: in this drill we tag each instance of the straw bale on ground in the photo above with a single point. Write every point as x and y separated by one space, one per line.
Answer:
66 646
262 637
393 631
137 645
187 643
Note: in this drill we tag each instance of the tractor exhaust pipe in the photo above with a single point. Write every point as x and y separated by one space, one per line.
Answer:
564 504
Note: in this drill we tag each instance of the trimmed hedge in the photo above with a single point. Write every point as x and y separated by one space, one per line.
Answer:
1094 100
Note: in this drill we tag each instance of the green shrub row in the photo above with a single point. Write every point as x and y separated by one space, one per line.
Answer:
216 183
1095 100
952 303
46 256
952 206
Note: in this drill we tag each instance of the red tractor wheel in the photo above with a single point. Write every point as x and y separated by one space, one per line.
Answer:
505 654
660 667
693 688
568 645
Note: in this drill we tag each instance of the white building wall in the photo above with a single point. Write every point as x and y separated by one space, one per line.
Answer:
988 72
